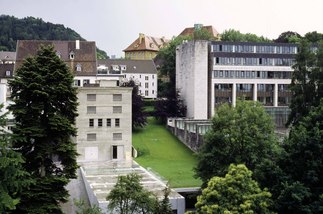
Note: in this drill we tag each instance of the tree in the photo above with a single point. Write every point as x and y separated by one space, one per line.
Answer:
288 37
139 118
232 35
84 209
303 163
45 107
241 134
129 196
307 82
313 37
202 34
13 177
164 206
236 193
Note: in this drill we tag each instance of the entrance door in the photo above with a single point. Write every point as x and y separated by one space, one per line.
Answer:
117 152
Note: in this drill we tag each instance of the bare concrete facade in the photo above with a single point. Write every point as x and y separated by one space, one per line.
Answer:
104 123
192 77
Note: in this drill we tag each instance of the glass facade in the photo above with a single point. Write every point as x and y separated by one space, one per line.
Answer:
268 48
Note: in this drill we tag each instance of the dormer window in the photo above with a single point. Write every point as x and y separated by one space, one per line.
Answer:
123 67
72 55
58 54
78 67
8 73
115 67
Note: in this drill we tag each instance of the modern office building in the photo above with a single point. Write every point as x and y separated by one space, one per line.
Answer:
211 73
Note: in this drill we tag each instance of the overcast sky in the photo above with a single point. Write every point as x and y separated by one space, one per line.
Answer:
115 24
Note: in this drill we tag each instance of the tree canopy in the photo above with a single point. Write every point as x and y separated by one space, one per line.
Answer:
45 108
30 28
232 35
236 193
129 196
12 176
241 135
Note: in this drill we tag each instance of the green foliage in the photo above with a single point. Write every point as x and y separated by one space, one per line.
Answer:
12 176
138 115
307 81
241 134
232 35
202 34
45 108
164 207
303 163
314 37
236 193
129 196
288 37
84 209
30 28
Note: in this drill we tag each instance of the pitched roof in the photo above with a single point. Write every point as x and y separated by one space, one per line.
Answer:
190 30
7 56
132 66
144 43
84 53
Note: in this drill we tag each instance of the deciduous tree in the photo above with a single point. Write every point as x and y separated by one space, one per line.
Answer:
236 193
45 107
241 134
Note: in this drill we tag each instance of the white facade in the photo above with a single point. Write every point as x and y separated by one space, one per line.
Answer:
104 123
147 84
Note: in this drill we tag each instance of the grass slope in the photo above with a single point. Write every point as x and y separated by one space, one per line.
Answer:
165 154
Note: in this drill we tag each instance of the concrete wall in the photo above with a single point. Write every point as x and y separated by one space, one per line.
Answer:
100 149
192 77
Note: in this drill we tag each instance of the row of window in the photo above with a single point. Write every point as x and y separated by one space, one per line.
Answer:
115 109
147 92
107 124
252 61
92 136
252 74
249 87
115 97
272 49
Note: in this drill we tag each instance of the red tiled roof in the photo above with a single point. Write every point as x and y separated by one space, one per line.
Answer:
144 42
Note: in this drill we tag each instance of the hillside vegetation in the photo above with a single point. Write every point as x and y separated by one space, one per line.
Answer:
13 29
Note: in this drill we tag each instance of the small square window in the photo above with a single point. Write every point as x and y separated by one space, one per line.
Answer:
91 137
117 136
117 97
91 109
146 78
117 109
91 97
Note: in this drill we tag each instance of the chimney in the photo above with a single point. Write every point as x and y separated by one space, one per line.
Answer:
77 44
141 37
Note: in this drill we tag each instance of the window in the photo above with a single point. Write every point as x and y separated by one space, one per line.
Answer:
85 82
117 122
91 122
146 93
108 122
100 122
91 109
8 73
153 84
91 97
77 82
153 76
146 85
71 55
91 137
117 97
146 78
153 92
117 136
78 67
117 109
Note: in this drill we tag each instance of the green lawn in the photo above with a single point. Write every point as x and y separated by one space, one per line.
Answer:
162 152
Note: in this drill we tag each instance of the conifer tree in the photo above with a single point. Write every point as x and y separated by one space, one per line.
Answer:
45 107
12 176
